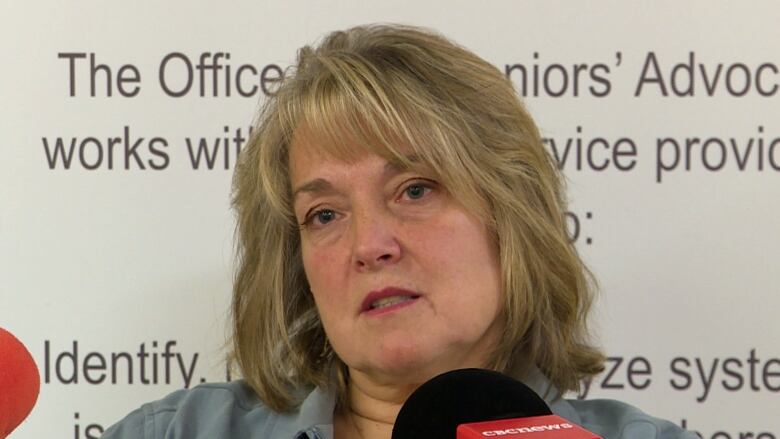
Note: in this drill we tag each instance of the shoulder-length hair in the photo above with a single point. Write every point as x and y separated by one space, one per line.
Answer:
384 86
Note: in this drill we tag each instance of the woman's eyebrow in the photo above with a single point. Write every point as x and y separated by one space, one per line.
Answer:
397 166
318 186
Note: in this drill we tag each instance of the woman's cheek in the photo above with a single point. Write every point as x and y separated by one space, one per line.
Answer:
324 267
331 236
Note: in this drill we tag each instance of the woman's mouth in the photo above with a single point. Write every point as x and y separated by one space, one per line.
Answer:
387 299
392 300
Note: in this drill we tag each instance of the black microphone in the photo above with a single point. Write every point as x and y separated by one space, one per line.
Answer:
470 403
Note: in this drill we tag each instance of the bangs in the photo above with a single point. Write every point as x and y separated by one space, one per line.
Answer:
349 113
354 105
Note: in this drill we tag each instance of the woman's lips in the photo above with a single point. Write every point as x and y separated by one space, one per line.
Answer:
387 300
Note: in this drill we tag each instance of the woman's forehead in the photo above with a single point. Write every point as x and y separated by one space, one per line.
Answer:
311 146
307 161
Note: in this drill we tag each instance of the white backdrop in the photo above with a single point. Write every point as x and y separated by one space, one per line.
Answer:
117 278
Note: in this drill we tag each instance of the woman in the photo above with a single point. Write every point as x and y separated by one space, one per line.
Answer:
398 217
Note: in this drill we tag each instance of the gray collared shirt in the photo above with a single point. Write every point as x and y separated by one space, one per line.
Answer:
233 410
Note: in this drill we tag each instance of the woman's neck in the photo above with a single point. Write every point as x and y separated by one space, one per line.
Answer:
372 408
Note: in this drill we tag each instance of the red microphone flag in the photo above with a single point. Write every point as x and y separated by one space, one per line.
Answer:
536 427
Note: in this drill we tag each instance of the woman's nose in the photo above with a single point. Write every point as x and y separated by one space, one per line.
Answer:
374 241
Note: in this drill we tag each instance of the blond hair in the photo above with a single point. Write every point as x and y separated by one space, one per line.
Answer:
384 86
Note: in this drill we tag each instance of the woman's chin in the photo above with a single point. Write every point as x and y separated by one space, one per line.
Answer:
412 366
411 358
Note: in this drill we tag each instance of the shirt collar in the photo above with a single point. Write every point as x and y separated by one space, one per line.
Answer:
543 387
316 412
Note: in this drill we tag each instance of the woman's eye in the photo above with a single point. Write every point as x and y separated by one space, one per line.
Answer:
417 190
321 217
325 216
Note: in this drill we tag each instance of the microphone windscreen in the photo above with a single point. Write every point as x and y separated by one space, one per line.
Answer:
437 407
19 382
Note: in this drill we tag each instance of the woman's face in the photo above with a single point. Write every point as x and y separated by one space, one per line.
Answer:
406 281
